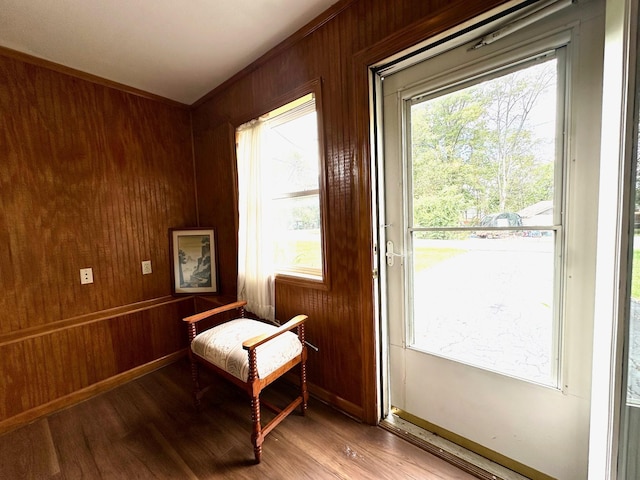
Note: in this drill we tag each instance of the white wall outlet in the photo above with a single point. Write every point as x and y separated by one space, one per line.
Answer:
146 267
86 275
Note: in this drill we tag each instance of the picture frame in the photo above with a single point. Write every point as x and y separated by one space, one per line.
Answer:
193 261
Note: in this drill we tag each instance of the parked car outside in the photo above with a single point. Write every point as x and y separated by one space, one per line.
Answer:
504 219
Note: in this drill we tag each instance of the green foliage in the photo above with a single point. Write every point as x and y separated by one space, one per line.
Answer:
306 217
478 149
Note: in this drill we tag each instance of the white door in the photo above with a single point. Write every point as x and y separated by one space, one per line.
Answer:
490 193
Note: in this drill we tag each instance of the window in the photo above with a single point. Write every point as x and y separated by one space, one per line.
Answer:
280 221
293 159
485 225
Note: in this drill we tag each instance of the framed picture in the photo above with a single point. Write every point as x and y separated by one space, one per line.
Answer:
193 260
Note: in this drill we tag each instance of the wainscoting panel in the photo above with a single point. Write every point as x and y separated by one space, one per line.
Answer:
40 369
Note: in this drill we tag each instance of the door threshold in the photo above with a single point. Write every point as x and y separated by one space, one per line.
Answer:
462 458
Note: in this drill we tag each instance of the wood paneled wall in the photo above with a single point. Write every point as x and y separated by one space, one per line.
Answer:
216 180
90 176
352 35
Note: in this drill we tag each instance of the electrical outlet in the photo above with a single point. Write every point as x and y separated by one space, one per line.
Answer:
146 267
86 275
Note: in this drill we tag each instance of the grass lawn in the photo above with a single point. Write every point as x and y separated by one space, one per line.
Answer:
635 275
427 257
300 253
307 254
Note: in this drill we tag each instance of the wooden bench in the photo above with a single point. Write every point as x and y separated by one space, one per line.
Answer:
251 354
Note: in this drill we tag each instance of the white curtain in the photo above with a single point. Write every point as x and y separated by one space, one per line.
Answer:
255 244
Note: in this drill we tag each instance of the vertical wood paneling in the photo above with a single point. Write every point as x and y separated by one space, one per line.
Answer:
89 177
215 184
39 370
341 319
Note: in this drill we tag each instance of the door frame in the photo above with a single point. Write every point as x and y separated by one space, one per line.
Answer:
422 36
610 310
384 62
613 263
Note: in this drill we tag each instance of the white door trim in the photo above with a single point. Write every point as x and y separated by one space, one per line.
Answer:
612 262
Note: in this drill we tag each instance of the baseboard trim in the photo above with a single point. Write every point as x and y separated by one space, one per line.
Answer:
334 401
81 395
337 402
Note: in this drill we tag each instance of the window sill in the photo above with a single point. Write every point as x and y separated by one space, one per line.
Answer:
302 281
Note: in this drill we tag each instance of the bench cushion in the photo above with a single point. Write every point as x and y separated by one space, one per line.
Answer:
222 346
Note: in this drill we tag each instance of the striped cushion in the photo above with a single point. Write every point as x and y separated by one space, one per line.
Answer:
222 346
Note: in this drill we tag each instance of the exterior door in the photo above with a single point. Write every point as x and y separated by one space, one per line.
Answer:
490 192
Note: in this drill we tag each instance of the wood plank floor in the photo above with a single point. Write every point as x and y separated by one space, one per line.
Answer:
148 429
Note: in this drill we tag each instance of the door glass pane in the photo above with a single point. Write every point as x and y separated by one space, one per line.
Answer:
485 231
633 360
630 444
487 302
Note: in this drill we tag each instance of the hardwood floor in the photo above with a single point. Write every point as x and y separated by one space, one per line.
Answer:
148 429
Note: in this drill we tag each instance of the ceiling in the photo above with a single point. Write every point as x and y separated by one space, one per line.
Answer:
179 50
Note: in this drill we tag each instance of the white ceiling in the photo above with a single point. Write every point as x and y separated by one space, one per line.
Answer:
178 49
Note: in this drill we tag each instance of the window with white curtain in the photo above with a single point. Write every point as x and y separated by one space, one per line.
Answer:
293 159
280 229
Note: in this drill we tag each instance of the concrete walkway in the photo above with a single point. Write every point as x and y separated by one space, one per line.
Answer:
477 307
490 306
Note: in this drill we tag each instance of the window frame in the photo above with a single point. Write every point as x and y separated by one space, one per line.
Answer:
466 77
300 277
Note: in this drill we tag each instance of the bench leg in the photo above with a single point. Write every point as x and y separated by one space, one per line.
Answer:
196 384
303 387
256 437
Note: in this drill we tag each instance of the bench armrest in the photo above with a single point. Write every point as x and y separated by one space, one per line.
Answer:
214 311
255 342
